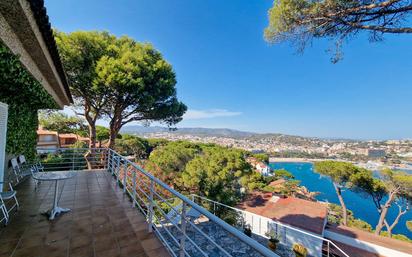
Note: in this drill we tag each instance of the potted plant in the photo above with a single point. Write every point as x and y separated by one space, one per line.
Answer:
247 230
300 250
273 239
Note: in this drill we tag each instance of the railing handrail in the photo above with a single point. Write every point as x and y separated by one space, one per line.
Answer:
235 232
276 222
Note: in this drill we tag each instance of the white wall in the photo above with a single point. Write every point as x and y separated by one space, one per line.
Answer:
370 247
3 132
288 235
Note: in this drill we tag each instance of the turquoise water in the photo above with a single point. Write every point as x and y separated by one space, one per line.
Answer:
362 208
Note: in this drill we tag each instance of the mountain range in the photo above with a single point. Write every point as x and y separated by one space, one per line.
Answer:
217 132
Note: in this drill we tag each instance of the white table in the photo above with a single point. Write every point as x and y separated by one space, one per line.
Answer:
55 176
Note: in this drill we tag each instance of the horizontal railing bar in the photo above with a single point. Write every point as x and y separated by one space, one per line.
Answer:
242 237
276 222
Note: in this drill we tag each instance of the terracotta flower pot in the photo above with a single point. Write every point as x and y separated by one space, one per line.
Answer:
272 245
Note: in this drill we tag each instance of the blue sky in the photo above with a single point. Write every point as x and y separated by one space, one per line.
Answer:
230 77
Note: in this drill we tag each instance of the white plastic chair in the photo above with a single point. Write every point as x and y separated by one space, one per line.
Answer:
16 169
33 170
23 169
6 196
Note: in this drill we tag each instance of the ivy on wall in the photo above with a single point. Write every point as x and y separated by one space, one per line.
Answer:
25 96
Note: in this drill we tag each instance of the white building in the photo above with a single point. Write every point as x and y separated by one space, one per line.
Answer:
263 169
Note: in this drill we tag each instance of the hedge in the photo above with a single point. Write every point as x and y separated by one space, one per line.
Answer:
25 96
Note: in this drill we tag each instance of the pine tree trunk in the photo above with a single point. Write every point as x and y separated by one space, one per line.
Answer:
342 204
92 135
114 132
383 213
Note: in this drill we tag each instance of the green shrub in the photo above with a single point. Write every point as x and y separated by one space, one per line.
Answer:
397 236
24 95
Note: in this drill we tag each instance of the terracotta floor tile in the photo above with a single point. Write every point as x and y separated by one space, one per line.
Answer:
102 222
8 246
151 244
159 252
85 251
105 244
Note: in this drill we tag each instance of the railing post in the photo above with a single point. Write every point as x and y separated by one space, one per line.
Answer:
117 169
124 177
108 160
150 221
134 189
214 208
183 228
328 247
73 159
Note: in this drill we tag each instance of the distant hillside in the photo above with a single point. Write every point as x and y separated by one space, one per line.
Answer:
209 132
224 132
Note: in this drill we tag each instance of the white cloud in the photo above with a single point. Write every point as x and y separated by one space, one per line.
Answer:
192 114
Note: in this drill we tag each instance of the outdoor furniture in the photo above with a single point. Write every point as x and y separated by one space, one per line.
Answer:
6 196
27 167
16 169
21 169
35 169
55 176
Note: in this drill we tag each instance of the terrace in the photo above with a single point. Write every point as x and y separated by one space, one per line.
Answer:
117 209
102 221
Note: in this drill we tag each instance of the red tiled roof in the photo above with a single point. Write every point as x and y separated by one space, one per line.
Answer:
68 135
277 182
46 132
296 212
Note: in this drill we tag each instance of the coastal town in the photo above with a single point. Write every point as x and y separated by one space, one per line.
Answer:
367 153
160 129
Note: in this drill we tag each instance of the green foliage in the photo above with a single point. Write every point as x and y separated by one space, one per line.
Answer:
282 173
79 145
409 225
367 185
133 145
254 181
24 95
102 133
216 174
171 160
207 170
120 78
61 122
141 84
301 21
263 157
335 216
298 154
397 236
339 172
360 224
155 142
52 158
395 183
80 52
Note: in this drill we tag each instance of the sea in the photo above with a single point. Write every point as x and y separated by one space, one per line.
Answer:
361 206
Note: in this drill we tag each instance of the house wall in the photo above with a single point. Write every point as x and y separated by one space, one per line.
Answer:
370 247
287 235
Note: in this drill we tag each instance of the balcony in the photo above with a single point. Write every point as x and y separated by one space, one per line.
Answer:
102 221
118 209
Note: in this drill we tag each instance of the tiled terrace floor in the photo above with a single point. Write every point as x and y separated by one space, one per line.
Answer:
102 222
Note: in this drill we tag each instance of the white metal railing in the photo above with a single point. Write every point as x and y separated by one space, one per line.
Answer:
173 222
260 225
168 213
73 159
